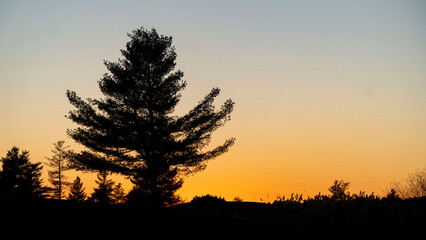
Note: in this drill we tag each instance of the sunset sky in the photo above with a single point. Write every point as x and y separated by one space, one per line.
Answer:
324 90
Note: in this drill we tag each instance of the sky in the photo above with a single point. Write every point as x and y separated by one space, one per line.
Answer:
324 90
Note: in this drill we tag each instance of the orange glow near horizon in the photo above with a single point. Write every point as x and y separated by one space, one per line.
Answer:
323 91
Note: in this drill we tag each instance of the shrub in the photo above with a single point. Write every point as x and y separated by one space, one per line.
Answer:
208 201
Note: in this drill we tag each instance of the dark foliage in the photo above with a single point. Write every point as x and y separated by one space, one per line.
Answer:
361 214
20 177
118 194
132 130
365 214
167 185
359 217
107 192
77 191
104 192
392 194
208 202
339 190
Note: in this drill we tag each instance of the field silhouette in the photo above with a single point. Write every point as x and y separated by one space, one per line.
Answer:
365 217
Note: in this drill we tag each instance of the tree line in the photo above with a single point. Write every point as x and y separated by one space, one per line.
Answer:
21 178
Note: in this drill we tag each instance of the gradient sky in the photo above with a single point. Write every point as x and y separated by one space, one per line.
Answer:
324 90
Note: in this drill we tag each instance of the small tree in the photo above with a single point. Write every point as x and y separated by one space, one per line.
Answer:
118 194
58 162
19 176
392 194
104 192
238 199
77 191
338 190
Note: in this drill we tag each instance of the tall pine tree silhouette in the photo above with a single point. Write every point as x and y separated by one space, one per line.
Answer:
132 129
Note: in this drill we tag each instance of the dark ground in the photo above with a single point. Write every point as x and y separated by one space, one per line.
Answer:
352 219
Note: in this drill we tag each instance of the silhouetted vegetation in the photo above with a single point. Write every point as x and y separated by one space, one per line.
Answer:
59 163
321 216
238 199
413 186
118 194
208 202
20 177
107 192
131 131
77 191
339 190
392 194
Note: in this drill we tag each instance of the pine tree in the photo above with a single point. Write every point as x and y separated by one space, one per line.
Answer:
132 130
20 177
77 191
118 193
59 163
103 193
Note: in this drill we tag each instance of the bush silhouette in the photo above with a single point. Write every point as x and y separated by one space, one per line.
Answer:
339 190
208 201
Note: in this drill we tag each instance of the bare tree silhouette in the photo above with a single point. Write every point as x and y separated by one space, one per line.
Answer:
59 162
413 186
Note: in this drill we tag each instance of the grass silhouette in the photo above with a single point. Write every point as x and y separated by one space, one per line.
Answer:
364 216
